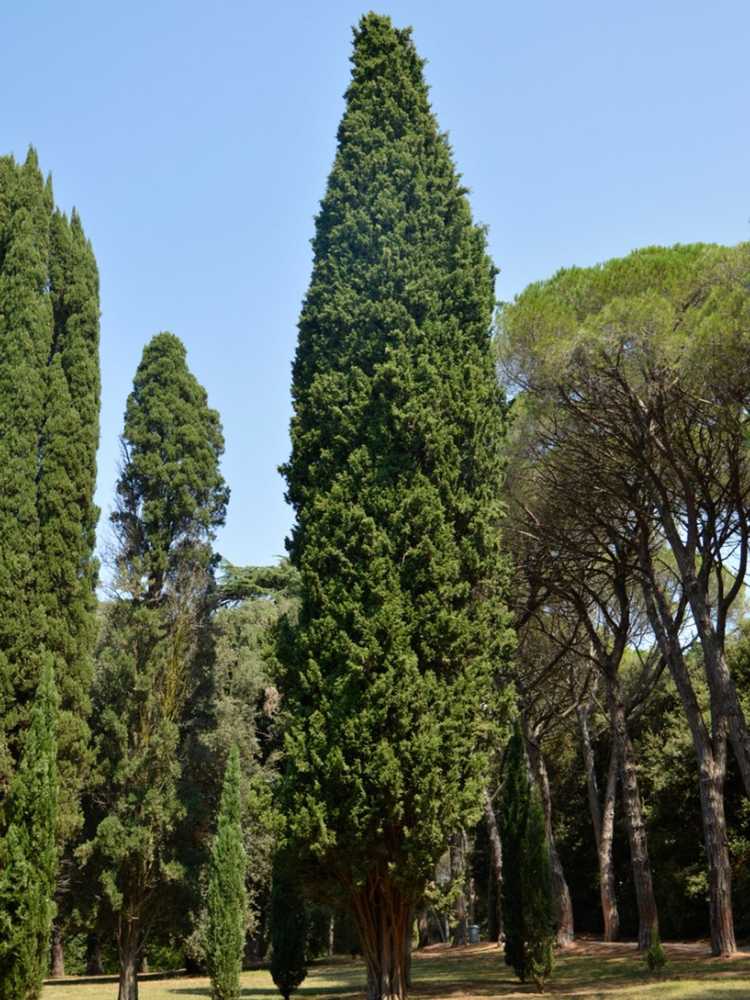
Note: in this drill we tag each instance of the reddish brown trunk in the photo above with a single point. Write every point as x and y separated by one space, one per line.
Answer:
383 915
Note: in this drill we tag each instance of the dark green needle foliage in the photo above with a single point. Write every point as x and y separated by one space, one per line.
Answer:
151 669
289 926
226 899
49 429
527 889
28 852
395 465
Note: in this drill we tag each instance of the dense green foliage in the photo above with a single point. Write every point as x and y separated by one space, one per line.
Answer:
394 472
527 895
49 428
150 667
289 926
28 852
226 899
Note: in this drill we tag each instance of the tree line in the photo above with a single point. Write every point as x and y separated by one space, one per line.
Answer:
514 597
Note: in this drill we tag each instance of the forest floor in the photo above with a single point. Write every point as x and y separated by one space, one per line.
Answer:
589 969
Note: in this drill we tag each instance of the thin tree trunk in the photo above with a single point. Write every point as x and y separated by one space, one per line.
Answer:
496 869
57 964
331 934
711 755
602 820
458 871
642 878
423 925
382 912
565 932
610 912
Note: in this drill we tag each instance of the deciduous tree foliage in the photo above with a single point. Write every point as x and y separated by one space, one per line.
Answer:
226 898
49 429
171 498
394 473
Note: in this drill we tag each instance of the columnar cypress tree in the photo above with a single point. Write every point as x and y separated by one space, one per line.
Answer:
289 926
49 413
171 499
28 852
393 476
227 896
527 888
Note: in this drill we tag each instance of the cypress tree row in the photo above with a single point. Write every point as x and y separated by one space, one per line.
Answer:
227 896
394 472
49 427
527 887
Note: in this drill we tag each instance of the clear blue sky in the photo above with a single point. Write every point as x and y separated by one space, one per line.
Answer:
195 140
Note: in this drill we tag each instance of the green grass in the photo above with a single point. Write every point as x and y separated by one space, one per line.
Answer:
593 971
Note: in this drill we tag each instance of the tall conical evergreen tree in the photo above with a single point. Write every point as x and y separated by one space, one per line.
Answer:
49 427
394 472
28 852
226 899
527 887
171 498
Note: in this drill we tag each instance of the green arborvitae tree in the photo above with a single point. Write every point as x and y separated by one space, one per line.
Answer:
226 898
394 472
289 926
28 852
49 427
527 888
171 499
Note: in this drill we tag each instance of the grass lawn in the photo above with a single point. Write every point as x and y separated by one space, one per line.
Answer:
589 969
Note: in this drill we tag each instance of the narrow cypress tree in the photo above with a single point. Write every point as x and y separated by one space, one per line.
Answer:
28 852
527 888
49 420
171 499
227 896
393 476
289 926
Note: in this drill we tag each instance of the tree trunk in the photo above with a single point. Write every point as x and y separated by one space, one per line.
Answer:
610 912
382 913
565 930
94 965
331 934
602 820
458 872
128 977
711 755
129 947
423 926
57 965
495 918
642 879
